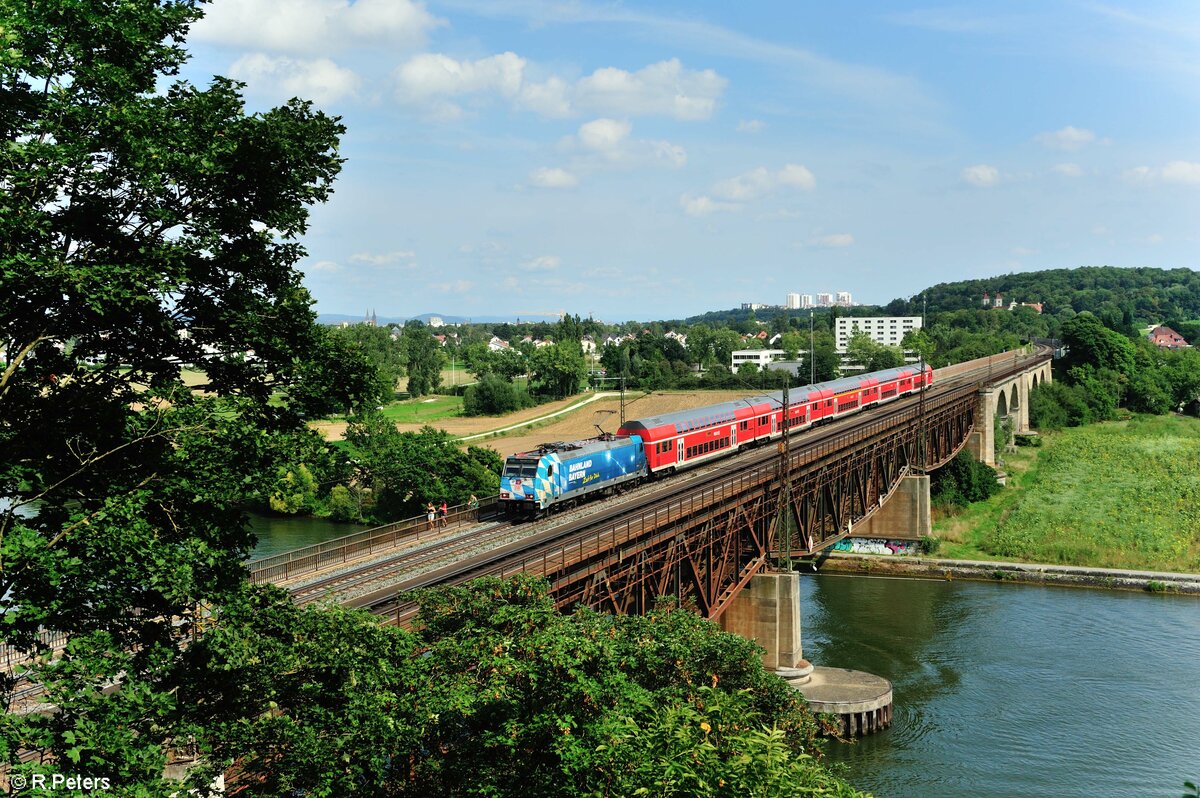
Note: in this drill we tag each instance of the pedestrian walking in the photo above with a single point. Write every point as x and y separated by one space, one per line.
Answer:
473 506
445 513
430 514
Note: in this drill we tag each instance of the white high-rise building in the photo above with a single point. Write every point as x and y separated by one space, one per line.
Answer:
824 300
806 300
843 299
793 302
887 330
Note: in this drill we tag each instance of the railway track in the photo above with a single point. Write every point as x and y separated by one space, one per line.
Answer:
468 560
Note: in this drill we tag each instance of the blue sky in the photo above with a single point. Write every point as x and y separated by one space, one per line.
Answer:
656 160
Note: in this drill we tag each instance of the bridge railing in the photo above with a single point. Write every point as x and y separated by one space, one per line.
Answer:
289 564
10 655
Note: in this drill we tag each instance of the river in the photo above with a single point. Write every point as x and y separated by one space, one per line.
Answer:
1012 690
1001 690
280 533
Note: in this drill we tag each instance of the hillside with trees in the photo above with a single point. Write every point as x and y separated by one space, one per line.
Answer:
1116 295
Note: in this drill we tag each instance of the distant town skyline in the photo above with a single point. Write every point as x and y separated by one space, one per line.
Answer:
657 160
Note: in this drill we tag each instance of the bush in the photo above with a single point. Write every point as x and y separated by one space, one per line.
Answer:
295 492
1057 405
961 481
494 395
347 504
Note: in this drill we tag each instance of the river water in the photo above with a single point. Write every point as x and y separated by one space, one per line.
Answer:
280 533
1000 690
1012 690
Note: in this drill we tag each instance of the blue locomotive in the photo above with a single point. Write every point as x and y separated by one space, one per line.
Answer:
563 472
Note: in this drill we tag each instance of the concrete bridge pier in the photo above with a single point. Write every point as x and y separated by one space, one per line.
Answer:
905 514
768 611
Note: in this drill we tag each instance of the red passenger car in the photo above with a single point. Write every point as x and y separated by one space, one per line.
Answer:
688 437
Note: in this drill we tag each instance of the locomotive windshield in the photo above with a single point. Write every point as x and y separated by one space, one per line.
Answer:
520 468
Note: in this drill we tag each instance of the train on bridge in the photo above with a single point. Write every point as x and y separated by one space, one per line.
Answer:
566 472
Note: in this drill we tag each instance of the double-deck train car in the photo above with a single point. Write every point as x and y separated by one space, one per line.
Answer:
688 437
566 471
557 473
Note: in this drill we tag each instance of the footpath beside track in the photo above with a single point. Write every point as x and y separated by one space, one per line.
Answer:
840 562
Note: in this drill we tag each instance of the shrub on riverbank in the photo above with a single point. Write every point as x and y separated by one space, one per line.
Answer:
962 481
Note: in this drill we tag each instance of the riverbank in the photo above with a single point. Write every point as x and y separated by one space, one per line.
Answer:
1017 572
1116 495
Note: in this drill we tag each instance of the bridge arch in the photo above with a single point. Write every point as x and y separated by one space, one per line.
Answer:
1002 405
1035 380
1014 402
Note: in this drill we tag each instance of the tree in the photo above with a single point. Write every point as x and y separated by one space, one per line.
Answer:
1090 343
920 342
143 225
407 470
871 355
559 369
500 694
792 343
384 354
424 359
493 395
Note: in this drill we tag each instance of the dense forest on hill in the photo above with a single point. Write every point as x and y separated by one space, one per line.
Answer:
1146 295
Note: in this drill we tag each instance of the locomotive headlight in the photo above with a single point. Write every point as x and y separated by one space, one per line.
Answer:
504 494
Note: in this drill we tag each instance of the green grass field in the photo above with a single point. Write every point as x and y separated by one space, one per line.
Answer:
425 410
1116 495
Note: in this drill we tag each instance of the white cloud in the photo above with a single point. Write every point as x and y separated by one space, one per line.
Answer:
981 175
1069 169
671 154
321 80
665 88
833 241
798 176
547 177
1154 240
1181 172
382 258
323 266
1186 172
1069 138
761 181
549 98
606 142
703 205
309 27
747 186
428 77
751 126
604 134
543 263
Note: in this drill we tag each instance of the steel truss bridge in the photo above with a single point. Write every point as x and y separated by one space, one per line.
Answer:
701 538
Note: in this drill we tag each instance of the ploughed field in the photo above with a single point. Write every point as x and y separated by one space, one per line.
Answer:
574 425
605 412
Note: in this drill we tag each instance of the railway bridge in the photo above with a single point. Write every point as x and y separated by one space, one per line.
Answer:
703 537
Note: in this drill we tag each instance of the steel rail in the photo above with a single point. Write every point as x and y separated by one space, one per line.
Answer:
814 446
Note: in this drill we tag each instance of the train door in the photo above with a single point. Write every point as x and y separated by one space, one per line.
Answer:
733 435
679 450
774 424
